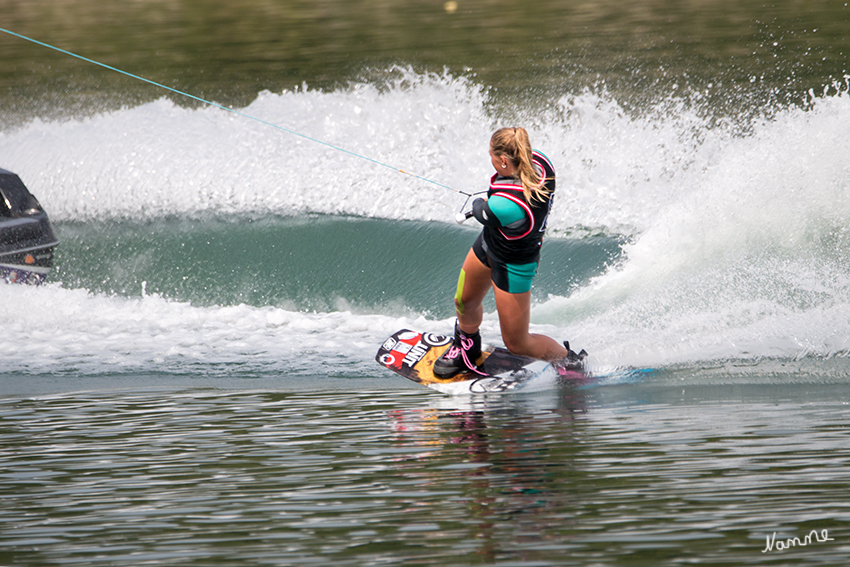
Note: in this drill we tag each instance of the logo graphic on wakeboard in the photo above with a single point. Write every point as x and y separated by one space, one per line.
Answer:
433 340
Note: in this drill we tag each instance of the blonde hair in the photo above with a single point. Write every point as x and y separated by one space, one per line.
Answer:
513 143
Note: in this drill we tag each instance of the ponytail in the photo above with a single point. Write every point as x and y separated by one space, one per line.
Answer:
514 144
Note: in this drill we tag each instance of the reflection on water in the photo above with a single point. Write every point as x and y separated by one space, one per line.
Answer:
514 485
558 478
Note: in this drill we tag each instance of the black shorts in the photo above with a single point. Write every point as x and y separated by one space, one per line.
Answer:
512 278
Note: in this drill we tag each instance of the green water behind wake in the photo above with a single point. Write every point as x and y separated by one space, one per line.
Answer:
313 263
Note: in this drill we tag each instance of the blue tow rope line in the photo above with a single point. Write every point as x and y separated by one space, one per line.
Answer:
261 121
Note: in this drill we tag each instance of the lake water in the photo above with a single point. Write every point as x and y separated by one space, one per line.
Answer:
195 384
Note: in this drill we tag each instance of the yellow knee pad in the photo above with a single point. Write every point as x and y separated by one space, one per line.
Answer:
459 294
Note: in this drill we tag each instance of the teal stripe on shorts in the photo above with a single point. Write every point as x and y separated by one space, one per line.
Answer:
520 277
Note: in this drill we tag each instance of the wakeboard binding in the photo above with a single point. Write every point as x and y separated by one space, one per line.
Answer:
462 355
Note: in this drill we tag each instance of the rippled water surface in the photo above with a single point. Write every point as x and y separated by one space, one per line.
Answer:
611 476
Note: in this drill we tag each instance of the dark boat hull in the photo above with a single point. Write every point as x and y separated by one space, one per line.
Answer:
26 266
27 239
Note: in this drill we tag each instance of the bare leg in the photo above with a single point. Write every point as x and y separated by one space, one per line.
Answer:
514 312
465 351
514 318
472 287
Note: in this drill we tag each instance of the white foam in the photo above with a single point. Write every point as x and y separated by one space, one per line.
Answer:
51 330
159 159
747 260
616 172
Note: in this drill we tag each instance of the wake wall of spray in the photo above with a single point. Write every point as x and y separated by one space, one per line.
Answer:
738 228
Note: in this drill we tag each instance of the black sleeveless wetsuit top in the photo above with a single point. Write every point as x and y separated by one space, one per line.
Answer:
520 241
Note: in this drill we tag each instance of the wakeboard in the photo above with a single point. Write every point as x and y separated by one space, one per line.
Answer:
412 354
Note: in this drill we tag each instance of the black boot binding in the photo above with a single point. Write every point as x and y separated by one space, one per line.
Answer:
574 360
462 355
